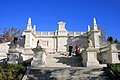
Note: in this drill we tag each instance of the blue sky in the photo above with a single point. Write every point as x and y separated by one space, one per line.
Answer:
76 13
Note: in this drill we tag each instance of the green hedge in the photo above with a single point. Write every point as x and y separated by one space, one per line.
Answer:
114 69
12 71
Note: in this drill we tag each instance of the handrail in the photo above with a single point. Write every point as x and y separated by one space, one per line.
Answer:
26 73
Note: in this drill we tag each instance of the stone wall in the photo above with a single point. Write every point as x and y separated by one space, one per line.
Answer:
4 49
48 43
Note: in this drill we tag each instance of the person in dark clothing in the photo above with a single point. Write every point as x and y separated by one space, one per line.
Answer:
70 49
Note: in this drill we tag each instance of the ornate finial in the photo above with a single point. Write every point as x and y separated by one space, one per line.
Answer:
94 21
61 25
34 27
88 28
29 21
94 24
29 26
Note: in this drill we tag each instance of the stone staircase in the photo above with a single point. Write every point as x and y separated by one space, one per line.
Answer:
58 60
71 73
61 67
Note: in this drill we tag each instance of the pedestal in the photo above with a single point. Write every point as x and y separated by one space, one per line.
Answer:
14 55
90 57
13 58
39 58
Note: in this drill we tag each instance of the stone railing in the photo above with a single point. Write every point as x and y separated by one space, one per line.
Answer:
45 33
105 48
76 33
110 47
109 53
55 33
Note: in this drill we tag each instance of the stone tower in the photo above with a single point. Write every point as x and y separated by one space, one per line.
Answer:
94 34
61 37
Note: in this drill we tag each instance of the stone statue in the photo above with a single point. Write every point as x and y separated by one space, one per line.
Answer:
15 40
90 45
39 58
39 43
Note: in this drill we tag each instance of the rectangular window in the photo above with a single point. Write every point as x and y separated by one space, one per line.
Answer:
45 43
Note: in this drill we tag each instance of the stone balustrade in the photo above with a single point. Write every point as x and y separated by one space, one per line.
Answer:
45 33
111 50
55 33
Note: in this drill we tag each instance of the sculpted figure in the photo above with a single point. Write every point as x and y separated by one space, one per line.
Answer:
15 40
39 43
39 57
90 43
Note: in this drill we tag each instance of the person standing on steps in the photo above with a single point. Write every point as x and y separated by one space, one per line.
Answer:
76 50
70 50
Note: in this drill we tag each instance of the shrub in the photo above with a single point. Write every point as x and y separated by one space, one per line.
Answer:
11 71
115 69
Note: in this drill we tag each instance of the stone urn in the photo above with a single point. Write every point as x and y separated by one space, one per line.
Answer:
14 54
39 57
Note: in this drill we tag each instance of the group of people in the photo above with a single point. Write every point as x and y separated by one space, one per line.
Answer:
76 50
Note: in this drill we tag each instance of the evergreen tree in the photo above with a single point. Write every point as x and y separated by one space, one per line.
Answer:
110 39
116 41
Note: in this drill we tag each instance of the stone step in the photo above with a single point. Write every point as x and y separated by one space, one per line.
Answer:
69 78
72 73
58 65
53 60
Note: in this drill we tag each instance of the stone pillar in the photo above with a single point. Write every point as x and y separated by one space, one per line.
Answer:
114 57
28 34
115 49
29 38
90 57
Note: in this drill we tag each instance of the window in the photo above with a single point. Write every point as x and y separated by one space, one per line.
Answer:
45 43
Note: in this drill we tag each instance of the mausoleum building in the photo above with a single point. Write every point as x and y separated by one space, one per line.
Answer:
59 40
93 50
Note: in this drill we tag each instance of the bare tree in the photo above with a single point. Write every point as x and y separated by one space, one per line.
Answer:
103 33
10 33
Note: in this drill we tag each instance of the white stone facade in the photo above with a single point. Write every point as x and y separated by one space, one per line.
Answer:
54 41
59 40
